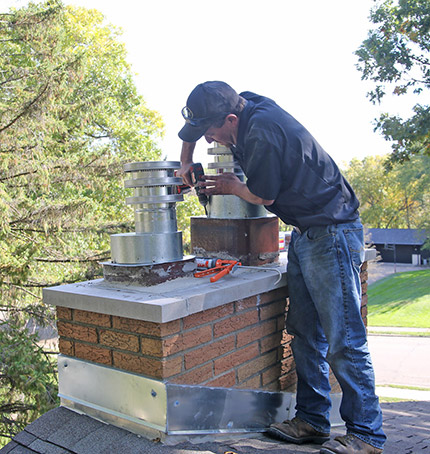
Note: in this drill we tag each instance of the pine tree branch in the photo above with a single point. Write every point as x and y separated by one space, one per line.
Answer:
110 228
26 109
14 407
25 291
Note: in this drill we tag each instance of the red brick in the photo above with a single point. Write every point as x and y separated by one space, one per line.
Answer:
364 300
208 352
186 340
270 342
207 316
227 380
251 383
271 375
287 365
234 359
255 366
286 338
64 313
274 295
364 266
78 332
256 332
147 366
364 276
288 382
138 364
364 287
235 323
247 303
287 350
272 310
273 387
93 353
147 328
172 366
92 318
195 376
121 341
151 347
66 347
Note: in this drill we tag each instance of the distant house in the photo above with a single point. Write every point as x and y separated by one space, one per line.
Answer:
400 245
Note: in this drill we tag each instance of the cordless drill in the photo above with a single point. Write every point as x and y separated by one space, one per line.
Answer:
197 174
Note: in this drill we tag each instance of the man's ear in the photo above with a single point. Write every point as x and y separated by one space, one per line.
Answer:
232 119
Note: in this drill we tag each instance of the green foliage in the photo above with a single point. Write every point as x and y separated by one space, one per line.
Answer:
400 300
396 198
29 386
70 117
396 57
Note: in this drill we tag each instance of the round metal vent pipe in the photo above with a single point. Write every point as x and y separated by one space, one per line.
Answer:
229 206
157 239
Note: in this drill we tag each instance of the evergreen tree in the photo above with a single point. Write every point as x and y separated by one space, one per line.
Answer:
70 117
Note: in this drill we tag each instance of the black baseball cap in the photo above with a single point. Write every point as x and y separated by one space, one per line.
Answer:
207 103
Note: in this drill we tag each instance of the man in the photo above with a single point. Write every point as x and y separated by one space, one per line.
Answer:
289 173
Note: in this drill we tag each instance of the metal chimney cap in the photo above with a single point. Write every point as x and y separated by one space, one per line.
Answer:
151 165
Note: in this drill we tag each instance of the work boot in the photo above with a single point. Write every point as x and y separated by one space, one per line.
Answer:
348 444
297 431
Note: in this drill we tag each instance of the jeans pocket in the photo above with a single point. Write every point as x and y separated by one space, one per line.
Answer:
318 232
355 242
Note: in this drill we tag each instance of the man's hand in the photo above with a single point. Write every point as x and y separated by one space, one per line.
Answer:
229 183
225 183
184 172
186 162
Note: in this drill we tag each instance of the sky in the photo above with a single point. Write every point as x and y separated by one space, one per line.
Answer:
299 53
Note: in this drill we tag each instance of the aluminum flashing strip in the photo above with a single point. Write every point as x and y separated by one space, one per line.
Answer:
200 409
140 404
120 394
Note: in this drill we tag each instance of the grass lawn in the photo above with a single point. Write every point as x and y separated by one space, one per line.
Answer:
402 299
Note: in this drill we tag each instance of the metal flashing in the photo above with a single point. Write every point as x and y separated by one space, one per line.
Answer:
143 405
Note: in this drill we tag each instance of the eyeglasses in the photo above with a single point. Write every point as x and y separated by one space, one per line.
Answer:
188 116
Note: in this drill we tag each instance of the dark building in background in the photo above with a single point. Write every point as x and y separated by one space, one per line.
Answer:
400 245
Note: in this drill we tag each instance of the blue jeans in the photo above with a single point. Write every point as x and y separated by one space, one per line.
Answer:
325 318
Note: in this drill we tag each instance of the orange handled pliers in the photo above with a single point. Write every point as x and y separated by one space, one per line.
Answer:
223 268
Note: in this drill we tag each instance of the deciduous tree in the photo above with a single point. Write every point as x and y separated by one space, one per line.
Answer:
396 57
395 198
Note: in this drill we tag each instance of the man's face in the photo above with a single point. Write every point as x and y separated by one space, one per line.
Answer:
225 135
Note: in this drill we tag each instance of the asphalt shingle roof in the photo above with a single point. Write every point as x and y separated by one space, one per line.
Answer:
405 237
62 431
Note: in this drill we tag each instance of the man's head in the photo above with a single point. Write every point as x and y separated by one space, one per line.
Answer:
210 106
